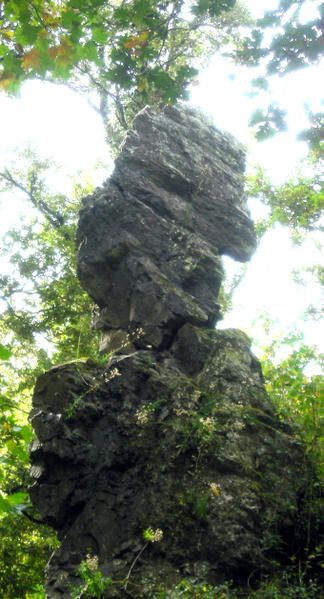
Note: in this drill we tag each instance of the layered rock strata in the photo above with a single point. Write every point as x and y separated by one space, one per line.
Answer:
174 438
150 240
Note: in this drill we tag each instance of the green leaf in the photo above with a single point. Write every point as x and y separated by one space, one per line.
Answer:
18 499
26 433
69 17
5 507
17 451
27 34
88 51
3 49
269 18
100 35
142 8
257 117
11 62
122 15
260 83
213 7
5 352
13 503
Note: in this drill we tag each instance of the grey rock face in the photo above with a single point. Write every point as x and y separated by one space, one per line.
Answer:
178 435
150 240
184 441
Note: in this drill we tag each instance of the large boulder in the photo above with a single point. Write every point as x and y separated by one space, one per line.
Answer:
150 240
184 442
168 461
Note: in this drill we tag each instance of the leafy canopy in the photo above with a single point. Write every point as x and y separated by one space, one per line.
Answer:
129 49
296 204
283 40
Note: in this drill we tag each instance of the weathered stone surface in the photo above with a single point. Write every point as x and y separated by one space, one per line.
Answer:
184 441
180 152
176 432
150 240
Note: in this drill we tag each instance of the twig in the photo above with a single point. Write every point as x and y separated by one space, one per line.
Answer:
31 518
52 216
120 111
133 564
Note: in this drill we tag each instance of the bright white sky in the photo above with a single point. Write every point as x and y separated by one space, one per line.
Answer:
61 125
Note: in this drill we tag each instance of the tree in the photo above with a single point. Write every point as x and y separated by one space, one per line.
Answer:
129 53
296 204
284 40
25 547
42 254
297 396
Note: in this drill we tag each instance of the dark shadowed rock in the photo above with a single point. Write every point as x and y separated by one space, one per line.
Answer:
175 435
181 441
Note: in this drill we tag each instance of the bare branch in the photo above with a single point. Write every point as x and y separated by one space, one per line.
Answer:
54 217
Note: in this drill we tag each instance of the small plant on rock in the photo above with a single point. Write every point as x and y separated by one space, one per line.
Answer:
93 582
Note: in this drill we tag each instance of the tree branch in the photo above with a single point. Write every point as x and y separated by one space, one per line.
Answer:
31 518
51 215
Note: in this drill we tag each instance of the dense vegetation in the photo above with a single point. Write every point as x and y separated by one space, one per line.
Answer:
122 55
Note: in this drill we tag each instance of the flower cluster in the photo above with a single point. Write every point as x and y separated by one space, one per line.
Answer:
153 536
181 412
142 415
111 374
158 535
92 562
238 425
215 489
207 423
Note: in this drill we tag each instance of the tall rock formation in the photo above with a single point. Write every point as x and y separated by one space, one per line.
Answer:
174 438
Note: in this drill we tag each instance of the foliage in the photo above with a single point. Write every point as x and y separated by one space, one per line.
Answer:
298 398
229 286
295 43
283 40
290 583
43 296
15 436
5 352
298 395
25 548
297 204
93 582
25 545
129 52
42 300
191 590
